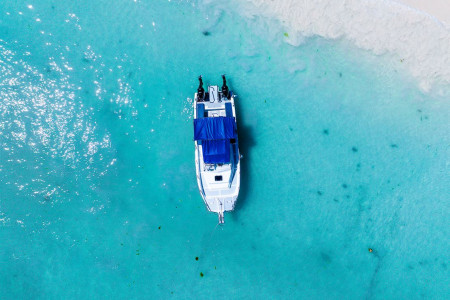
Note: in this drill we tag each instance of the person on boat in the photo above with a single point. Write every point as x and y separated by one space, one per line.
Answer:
200 90
225 91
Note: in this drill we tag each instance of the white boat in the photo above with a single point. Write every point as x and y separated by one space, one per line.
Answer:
217 157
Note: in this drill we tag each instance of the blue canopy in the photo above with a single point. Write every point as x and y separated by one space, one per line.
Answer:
216 152
218 128
215 134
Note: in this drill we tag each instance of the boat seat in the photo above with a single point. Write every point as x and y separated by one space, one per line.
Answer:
200 114
200 110
228 109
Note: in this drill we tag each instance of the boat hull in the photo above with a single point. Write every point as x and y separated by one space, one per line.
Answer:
221 195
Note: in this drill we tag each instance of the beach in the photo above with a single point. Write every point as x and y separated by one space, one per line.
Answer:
439 9
420 41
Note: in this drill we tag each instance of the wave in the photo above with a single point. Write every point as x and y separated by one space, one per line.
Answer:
420 41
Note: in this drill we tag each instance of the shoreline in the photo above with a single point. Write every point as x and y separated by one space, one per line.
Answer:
419 40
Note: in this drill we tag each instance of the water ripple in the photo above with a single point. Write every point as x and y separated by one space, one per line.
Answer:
46 130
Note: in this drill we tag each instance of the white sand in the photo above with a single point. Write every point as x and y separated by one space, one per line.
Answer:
381 26
437 8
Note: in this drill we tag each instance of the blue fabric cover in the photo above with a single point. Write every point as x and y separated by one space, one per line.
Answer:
218 128
215 134
216 152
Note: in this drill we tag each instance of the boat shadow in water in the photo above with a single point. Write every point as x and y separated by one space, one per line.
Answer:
246 143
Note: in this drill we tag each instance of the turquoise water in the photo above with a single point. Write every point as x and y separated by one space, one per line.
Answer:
98 197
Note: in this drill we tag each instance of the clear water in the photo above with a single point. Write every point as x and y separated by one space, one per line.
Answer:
98 197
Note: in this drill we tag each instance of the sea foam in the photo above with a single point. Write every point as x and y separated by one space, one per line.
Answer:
419 40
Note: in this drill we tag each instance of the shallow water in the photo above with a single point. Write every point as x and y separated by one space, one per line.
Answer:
342 153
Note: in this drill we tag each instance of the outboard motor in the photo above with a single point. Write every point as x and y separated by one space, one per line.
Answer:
225 91
200 90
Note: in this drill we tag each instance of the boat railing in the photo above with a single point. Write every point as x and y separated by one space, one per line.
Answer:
220 212
221 218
